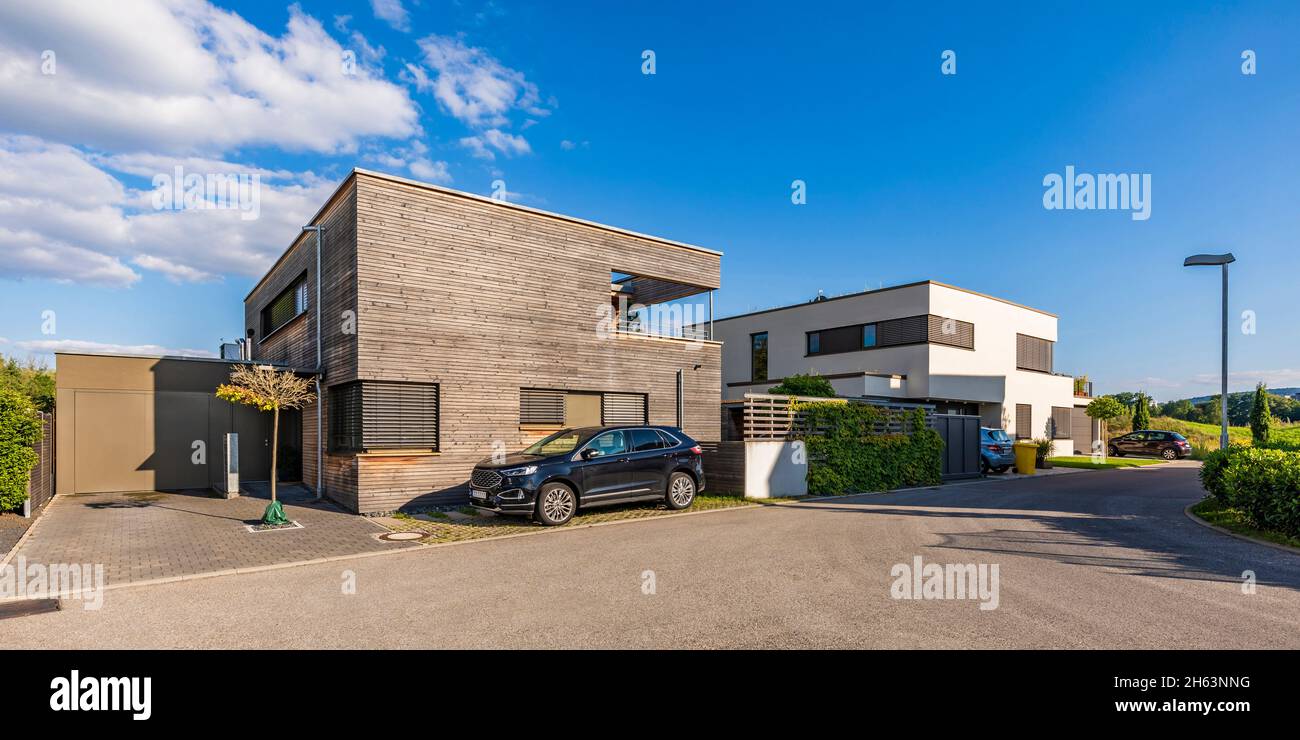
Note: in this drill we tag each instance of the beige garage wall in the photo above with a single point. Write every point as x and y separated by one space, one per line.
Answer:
132 424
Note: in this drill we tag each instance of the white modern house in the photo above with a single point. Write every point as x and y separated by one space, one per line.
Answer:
926 342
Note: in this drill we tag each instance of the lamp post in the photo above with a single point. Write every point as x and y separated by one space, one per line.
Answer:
1222 260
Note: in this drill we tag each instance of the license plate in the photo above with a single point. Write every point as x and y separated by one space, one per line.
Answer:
477 494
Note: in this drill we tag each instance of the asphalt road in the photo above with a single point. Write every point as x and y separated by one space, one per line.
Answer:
1087 560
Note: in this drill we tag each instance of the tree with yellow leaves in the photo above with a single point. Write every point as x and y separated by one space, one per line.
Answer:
268 389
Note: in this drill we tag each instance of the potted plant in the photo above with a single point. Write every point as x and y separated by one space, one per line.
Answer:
1043 452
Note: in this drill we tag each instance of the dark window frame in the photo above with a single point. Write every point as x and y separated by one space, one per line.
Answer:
1026 353
753 358
923 323
296 292
1026 430
350 433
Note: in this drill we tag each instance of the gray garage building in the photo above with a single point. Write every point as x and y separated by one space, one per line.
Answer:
132 423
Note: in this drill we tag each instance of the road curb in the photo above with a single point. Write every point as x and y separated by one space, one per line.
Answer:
1187 510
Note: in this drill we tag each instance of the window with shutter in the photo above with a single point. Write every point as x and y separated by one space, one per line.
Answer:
1033 353
537 406
1024 421
379 415
623 408
951 332
344 409
1060 422
399 415
289 305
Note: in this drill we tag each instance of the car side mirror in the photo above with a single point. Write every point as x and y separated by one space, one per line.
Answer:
590 452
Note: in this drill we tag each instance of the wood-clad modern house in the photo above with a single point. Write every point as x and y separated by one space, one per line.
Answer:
454 327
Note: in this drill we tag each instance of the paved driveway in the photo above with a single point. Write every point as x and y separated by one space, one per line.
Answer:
1095 559
151 536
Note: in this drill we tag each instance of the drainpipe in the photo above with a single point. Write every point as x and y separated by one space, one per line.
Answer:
679 399
320 460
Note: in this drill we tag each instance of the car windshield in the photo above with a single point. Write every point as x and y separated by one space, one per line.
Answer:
565 440
1179 437
997 435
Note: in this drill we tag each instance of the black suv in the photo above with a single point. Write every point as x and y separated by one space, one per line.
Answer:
591 466
1169 445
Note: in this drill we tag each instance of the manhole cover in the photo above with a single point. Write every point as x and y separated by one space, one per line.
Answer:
402 536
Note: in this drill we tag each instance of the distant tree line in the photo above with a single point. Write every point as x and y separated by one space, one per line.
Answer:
1240 407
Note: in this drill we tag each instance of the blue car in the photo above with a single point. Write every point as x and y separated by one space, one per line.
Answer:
996 455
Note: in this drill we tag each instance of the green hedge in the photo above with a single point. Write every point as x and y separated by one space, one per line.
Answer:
845 455
1263 484
20 428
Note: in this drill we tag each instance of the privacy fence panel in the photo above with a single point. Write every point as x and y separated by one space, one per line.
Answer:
961 445
40 486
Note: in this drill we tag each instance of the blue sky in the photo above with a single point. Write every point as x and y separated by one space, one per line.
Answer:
910 173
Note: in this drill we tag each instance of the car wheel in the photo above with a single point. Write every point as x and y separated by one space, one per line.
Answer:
1001 469
985 468
1115 452
556 505
1169 453
681 491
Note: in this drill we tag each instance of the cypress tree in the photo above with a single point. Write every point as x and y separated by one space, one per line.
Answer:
1261 417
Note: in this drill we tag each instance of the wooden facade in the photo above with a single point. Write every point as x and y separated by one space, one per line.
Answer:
427 285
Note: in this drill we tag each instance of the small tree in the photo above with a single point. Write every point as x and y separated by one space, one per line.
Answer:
268 389
804 385
1261 416
1104 409
20 428
1141 412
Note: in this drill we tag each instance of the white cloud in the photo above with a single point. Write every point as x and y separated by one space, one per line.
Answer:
471 84
1277 378
506 143
430 171
186 77
414 159
392 12
64 218
49 346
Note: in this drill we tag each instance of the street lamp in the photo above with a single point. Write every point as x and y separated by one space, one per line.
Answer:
1222 260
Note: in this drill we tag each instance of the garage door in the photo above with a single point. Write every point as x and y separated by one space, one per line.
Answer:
145 441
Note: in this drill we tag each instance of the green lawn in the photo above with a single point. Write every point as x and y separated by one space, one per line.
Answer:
1215 512
1081 461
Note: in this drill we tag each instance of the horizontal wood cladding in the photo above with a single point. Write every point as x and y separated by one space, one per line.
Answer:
295 343
485 300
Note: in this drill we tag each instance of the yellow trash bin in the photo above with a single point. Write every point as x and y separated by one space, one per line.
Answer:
1026 457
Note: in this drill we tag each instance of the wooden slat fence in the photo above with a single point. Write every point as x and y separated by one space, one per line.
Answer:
769 417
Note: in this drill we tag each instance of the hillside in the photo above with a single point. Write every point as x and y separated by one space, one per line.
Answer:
1206 436
1289 392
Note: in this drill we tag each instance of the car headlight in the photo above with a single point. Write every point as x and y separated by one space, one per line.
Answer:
526 470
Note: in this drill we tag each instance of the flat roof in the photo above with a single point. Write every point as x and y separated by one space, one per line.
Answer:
476 197
187 358
918 283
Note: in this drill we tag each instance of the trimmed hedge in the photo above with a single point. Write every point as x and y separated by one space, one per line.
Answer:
1263 484
20 428
846 455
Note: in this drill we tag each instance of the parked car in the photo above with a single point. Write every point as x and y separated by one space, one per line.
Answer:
1153 442
591 466
996 454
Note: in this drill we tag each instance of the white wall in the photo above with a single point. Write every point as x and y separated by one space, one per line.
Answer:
773 469
986 375
786 340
